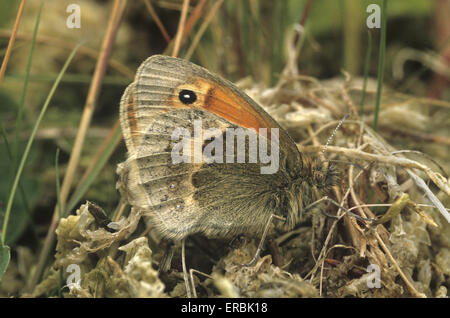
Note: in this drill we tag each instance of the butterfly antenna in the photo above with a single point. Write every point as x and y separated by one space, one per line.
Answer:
332 136
334 132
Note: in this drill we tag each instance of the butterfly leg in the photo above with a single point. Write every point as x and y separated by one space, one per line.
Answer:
191 274
183 263
261 242
325 198
275 251
166 261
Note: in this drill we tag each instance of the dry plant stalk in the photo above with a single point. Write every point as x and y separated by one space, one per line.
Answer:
83 50
12 38
180 30
158 22
202 29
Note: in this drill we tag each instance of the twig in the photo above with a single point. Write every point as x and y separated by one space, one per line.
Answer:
408 100
411 287
191 21
203 28
380 64
386 250
438 179
421 184
425 100
180 31
323 251
11 40
195 15
157 21
416 135
325 127
305 12
116 65
353 224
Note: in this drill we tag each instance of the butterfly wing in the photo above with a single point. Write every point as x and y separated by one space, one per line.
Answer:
217 199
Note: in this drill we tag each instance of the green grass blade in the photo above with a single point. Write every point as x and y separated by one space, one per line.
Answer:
5 139
380 64
30 142
279 26
13 154
351 28
4 259
24 90
366 72
58 188
58 198
21 190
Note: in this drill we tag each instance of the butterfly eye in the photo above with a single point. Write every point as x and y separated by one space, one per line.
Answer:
187 96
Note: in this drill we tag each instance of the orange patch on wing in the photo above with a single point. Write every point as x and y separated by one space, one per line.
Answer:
224 103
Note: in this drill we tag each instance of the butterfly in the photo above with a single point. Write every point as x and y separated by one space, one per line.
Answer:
174 110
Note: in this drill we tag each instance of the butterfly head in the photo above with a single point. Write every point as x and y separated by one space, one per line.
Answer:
313 181
324 174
